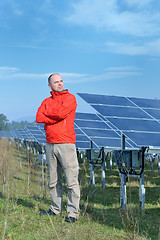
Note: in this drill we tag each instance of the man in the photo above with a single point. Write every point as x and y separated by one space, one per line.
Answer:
58 113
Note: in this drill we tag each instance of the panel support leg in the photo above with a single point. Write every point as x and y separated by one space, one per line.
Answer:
142 191
159 164
110 161
103 174
123 194
92 174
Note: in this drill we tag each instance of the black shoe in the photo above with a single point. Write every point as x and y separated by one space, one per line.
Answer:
49 212
70 219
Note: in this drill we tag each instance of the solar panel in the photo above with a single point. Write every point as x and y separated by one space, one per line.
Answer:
24 134
6 134
37 133
121 111
16 134
104 99
137 118
97 130
136 125
144 139
155 113
145 103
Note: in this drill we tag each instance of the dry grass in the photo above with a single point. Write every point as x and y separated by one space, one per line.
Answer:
23 193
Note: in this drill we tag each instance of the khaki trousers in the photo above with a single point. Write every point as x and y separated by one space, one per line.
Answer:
63 156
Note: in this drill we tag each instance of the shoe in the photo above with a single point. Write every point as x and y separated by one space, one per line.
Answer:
49 212
70 219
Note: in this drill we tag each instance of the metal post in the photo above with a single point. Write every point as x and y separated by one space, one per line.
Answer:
110 161
159 163
123 141
152 160
43 164
34 151
142 191
103 168
92 174
123 194
92 164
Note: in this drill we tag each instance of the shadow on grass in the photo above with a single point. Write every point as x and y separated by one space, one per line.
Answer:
44 200
25 203
1 195
17 178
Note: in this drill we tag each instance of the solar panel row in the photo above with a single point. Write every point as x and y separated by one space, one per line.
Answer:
138 119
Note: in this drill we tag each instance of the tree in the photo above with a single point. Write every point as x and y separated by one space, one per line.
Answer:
3 122
18 125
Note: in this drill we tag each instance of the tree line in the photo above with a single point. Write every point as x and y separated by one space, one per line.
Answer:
5 125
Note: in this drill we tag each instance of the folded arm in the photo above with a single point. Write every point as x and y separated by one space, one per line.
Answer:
42 118
58 112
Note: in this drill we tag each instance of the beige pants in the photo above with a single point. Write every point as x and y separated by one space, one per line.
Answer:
63 156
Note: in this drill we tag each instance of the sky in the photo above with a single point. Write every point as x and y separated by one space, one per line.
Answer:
109 47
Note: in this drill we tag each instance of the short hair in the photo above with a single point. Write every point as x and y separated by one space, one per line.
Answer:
49 78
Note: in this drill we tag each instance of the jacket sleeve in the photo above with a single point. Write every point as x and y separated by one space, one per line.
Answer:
60 111
41 117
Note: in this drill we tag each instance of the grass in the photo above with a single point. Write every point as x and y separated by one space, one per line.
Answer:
23 193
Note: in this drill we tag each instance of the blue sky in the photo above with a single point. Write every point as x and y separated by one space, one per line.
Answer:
107 47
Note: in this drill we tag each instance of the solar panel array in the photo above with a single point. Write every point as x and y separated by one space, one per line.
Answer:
6 134
88 127
95 128
137 118
30 133
37 133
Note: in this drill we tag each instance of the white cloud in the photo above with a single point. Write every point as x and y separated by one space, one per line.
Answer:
147 48
138 3
111 16
110 73
14 73
14 7
125 68
7 71
126 49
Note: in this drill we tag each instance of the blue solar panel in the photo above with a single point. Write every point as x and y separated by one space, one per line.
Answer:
101 133
78 131
155 113
144 139
137 118
124 112
145 103
25 134
87 116
109 142
82 138
136 125
84 145
104 99
16 134
91 124
37 133
6 134
96 128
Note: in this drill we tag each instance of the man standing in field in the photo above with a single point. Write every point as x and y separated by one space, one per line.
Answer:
58 113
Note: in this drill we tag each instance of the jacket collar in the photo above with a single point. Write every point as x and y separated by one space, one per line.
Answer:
54 93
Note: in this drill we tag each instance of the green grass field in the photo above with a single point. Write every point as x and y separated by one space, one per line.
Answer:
24 192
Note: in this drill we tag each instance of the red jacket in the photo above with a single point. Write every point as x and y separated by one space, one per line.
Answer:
58 113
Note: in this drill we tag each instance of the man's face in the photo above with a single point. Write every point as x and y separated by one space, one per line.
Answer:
56 83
